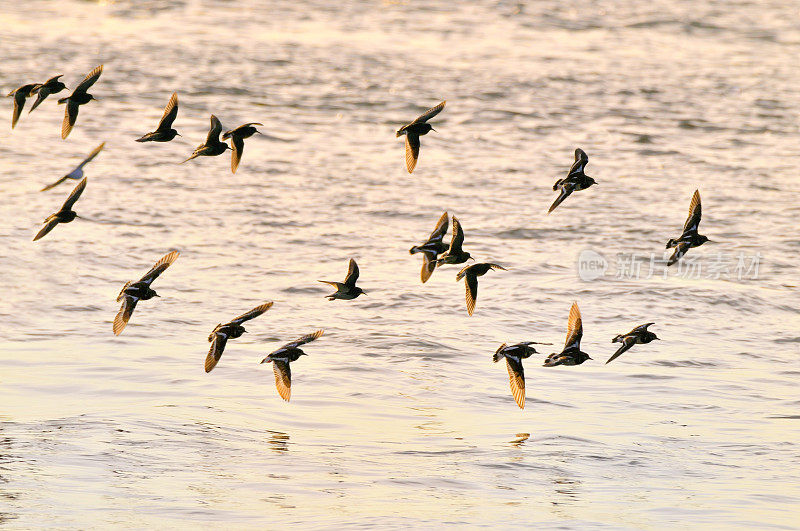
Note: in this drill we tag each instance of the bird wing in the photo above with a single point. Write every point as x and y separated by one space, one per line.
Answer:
497 266
308 338
75 195
283 378
472 291
695 211
19 103
215 351
680 250
236 153
441 229
40 97
581 160
566 189
70 116
92 155
160 267
50 186
124 314
574 328
640 329
428 265
516 380
458 236
627 343
216 129
412 151
352 274
50 224
430 113
252 314
170 113
90 79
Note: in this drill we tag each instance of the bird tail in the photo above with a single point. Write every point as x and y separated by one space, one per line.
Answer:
558 183
671 243
617 339
496 356
63 100
413 250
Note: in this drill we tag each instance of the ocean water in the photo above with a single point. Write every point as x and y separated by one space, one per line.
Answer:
398 416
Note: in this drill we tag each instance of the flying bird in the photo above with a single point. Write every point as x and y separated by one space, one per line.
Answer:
77 173
231 330
78 97
514 354
42 90
20 95
416 129
639 335
66 214
281 358
572 354
432 248
164 132
575 179
690 237
237 137
346 290
133 292
213 145
454 253
472 273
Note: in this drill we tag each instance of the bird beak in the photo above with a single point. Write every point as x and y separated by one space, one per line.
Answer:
157 295
178 134
471 258
434 130
363 292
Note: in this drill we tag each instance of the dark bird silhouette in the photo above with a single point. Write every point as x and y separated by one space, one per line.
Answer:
231 330
20 95
346 290
281 358
133 292
77 173
575 179
237 137
42 90
164 132
432 248
639 335
472 273
690 237
514 354
213 145
416 129
78 97
454 253
572 354
66 214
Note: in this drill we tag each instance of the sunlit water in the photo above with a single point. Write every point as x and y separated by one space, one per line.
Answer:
398 415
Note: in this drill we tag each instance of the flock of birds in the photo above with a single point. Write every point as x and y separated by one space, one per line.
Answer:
435 252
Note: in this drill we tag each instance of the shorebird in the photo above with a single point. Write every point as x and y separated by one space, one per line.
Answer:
575 179
213 145
78 97
231 330
281 358
690 238
472 273
65 214
432 248
20 95
572 354
514 354
454 253
164 132
133 292
416 129
639 335
77 173
42 90
346 290
237 137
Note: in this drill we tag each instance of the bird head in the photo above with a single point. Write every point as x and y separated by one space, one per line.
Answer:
469 257
702 239
591 181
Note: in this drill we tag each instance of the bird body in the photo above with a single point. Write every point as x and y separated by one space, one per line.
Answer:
455 254
432 248
213 145
78 97
164 132
65 214
346 290
20 95
133 292
575 180
230 330
572 353
42 90
77 173
416 129
690 236
281 358
472 273
237 137
639 335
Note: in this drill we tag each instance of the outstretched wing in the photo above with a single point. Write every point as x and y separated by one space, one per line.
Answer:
428 265
627 343
53 185
441 229
412 151
308 338
283 378
50 224
641 328
574 328
215 351
458 236
236 153
516 380
70 116
160 267
90 79
170 113
75 195
430 113
472 292
352 274
92 155
216 129
252 314
124 314
581 160
566 189
695 211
